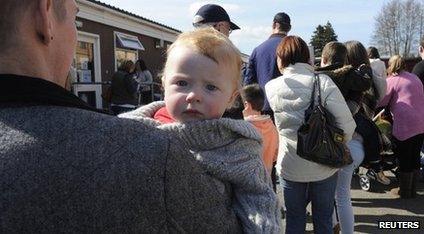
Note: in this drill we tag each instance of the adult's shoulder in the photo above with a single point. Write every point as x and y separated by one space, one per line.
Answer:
80 126
270 43
419 69
270 85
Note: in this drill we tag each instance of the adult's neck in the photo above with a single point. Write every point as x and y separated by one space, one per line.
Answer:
27 61
277 31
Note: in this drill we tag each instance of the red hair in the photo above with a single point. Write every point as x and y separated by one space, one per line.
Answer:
291 50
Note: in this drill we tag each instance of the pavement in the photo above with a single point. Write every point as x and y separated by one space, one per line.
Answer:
380 205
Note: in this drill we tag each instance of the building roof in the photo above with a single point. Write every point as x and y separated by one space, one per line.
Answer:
132 14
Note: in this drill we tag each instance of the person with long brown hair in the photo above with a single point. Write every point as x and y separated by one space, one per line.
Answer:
289 96
405 100
357 56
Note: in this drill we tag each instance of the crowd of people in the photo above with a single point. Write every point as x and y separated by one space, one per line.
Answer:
178 166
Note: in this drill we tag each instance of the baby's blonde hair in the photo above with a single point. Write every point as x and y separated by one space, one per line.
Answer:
214 45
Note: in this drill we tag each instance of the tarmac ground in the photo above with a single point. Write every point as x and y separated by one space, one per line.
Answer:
379 204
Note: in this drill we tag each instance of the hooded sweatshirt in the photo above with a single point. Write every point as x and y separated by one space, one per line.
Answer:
267 129
230 150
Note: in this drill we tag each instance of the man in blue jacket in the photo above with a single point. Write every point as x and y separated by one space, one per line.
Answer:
263 61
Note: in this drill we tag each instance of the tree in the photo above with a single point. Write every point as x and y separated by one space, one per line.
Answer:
322 35
398 26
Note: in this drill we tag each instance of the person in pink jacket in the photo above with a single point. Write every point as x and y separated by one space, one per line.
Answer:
405 99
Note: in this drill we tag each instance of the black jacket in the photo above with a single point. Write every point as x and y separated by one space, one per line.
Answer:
351 82
124 89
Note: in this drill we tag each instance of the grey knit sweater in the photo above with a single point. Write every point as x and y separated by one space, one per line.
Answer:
230 150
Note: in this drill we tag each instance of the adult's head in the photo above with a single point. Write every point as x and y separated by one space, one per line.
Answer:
215 16
356 54
396 65
421 49
38 38
281 23
140 65
333 53
291 50
127 66
373 53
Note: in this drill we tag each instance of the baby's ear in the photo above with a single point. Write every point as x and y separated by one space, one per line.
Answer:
233 98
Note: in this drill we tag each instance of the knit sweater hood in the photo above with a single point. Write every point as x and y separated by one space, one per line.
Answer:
195 134
229 150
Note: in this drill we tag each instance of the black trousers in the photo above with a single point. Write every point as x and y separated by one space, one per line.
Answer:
370 133
408 153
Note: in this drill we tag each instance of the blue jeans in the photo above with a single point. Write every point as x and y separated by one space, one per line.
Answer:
343 198
297 195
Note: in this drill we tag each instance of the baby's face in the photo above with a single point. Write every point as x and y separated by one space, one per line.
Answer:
196 87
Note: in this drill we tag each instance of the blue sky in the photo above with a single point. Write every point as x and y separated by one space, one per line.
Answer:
351 20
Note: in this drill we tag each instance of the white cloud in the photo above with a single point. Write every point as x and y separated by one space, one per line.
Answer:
249 37
230 8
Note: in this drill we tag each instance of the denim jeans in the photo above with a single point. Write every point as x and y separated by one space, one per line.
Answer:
343 198
297 195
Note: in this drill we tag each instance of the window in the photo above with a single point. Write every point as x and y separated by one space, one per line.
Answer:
128 41
126 48
122 55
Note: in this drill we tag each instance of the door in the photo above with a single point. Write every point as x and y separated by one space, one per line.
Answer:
88 83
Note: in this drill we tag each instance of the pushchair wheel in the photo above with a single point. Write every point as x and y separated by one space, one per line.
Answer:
365 183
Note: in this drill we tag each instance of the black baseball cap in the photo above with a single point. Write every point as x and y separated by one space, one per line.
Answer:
213 13
282 18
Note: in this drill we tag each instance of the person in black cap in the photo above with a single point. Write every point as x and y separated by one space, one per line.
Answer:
215 16
263 62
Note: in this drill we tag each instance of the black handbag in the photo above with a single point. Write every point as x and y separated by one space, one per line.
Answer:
318 139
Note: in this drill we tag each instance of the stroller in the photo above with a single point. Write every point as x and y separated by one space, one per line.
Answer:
368 177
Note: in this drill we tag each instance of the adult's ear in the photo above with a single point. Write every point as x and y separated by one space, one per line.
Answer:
323 61
421 49
43 20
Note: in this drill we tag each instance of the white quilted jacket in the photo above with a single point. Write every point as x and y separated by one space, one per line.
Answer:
289 96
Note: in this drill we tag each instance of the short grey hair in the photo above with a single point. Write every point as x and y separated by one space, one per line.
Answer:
204 25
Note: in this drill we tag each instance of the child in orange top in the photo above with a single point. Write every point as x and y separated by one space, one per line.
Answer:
253 99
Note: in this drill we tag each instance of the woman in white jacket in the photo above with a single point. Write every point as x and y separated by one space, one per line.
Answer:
289 96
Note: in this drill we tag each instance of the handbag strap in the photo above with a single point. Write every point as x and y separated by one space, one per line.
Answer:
315 86
318 86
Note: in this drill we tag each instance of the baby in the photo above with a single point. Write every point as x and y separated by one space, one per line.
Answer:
201 79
